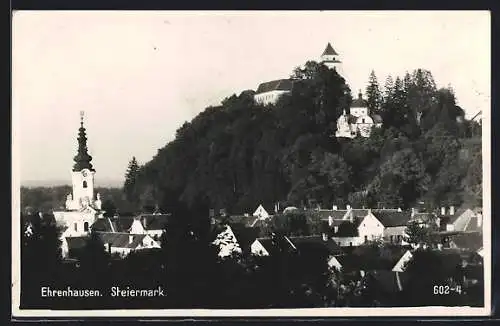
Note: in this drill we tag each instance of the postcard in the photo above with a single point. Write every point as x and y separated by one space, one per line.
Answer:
251 163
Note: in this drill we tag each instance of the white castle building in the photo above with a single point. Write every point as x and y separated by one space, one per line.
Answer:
83 206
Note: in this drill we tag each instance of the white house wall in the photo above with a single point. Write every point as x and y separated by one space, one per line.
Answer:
75 222
370 227
348 241
258 249
269 97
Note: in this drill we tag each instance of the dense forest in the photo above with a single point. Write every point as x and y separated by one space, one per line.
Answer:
240 154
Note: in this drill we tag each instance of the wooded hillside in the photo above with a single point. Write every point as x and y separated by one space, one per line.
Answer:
241 154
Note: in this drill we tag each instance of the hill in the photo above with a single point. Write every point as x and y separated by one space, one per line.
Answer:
241 154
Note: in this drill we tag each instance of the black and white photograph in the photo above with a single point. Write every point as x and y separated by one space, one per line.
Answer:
251 163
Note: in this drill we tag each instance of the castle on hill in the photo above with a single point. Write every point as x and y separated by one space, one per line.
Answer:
349 125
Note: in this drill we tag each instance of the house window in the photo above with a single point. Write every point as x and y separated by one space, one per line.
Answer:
86 226
76 227
366 238
350 244
84 184
363 120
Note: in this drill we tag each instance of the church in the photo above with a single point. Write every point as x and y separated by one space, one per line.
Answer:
82 206
83 213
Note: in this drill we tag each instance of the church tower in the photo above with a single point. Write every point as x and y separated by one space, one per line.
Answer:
82 174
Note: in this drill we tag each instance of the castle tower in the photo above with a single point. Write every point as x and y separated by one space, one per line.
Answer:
82 174
330 58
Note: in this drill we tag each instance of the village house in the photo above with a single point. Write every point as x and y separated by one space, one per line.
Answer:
277 244
119 243
462 220
395 224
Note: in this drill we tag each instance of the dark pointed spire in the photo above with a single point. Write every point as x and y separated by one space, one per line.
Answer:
82 158
329 50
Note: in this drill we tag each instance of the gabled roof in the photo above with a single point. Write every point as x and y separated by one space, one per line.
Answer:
121 240
324 214
76 242
370 258
463 219
471 241
392 219
329 50
330 245
123 223
104 225
357 212
275 85
422 216
388 281
246 220
275 245
244 235
154 221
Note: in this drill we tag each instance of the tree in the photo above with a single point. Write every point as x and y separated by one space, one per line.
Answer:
374 95
40 257
109 208
401 179
417 233
130 184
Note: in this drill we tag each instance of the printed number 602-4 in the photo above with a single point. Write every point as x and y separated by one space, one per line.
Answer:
445 289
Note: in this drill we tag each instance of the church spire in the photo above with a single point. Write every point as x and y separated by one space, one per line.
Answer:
82 158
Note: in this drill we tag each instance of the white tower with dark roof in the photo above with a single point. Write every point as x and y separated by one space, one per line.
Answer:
330 58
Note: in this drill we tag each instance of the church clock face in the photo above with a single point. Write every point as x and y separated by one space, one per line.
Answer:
84 173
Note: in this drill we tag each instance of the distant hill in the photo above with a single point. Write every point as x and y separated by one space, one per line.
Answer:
102 182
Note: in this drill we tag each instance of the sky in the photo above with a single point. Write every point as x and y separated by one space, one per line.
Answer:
139 75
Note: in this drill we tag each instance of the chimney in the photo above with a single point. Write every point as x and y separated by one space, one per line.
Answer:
348 207
399 209
440 246
130 239
452 210
144 222
330 221
335 207
443 210
413 211
325 237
